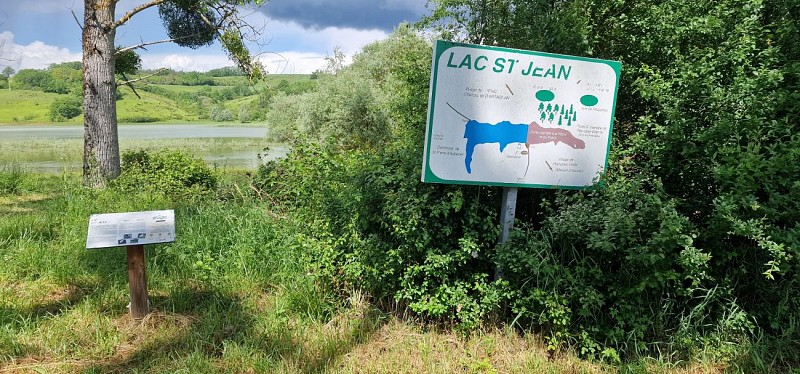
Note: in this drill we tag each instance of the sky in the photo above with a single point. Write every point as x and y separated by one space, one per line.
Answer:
295 35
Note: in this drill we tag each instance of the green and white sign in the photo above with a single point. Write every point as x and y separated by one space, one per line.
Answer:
506 117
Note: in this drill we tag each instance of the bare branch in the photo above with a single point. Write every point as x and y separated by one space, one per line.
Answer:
129 82
145 44
76 19
136 10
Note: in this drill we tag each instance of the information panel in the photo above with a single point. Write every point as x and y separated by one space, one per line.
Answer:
506 117
134 228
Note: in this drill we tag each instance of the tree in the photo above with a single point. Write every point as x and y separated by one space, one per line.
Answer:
189 23
7 73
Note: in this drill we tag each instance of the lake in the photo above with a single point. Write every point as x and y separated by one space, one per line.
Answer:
56 149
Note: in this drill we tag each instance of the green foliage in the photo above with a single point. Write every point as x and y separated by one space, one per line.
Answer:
193 78
342 111
137 119
171 173
57 78
127 62
66 108
8 71
12 179
30 78
244 114
220 114
427 247
44 80
701 209
360 106
232 41
190 23
691 244
228 71
602 261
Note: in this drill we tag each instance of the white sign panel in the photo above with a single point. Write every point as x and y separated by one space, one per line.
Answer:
507 117
134 228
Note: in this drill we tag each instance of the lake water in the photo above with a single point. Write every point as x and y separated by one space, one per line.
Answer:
49 148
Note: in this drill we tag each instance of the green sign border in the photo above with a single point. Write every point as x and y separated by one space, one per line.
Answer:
440 48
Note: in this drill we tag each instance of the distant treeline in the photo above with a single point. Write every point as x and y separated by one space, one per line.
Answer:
61 78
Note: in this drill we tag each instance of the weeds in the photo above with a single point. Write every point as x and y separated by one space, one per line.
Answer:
12 178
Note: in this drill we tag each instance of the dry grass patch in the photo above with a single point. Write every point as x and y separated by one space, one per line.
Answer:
399 347
18 203
155 328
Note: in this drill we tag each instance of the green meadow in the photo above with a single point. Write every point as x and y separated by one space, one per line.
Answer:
25 106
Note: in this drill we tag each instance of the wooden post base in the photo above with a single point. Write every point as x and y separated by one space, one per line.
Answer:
137 279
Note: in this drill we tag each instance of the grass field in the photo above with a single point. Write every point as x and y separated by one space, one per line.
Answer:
25 106
150 106
28 106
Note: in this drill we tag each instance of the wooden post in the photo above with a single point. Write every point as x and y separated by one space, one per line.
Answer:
137 278
507 211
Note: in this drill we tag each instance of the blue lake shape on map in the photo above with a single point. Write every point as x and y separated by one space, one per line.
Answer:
503 133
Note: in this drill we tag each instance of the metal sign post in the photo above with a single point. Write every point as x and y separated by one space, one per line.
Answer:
507 211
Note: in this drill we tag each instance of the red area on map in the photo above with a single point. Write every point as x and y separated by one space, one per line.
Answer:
540 135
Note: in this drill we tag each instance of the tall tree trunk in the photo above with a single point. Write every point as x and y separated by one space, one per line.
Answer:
101 144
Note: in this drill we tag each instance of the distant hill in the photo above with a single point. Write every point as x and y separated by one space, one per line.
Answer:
222 95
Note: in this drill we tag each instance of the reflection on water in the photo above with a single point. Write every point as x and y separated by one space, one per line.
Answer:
56 149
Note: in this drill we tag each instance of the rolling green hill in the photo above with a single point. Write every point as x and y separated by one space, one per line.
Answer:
161 102
25 106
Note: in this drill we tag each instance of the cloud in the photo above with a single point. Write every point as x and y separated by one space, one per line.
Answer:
358 14
291 36
36 55
182 62
292 62
275 63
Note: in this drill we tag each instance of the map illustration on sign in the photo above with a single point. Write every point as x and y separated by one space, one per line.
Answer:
507 117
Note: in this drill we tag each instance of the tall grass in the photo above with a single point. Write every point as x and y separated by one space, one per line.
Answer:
233 291
12 178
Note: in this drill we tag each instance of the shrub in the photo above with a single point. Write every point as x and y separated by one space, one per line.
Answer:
244 114
138 119
172 173
220 114
65 108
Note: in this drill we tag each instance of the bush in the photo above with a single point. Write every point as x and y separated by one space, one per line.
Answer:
244 114
691 244
138 119
65 108
220 114
172 173
428 247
